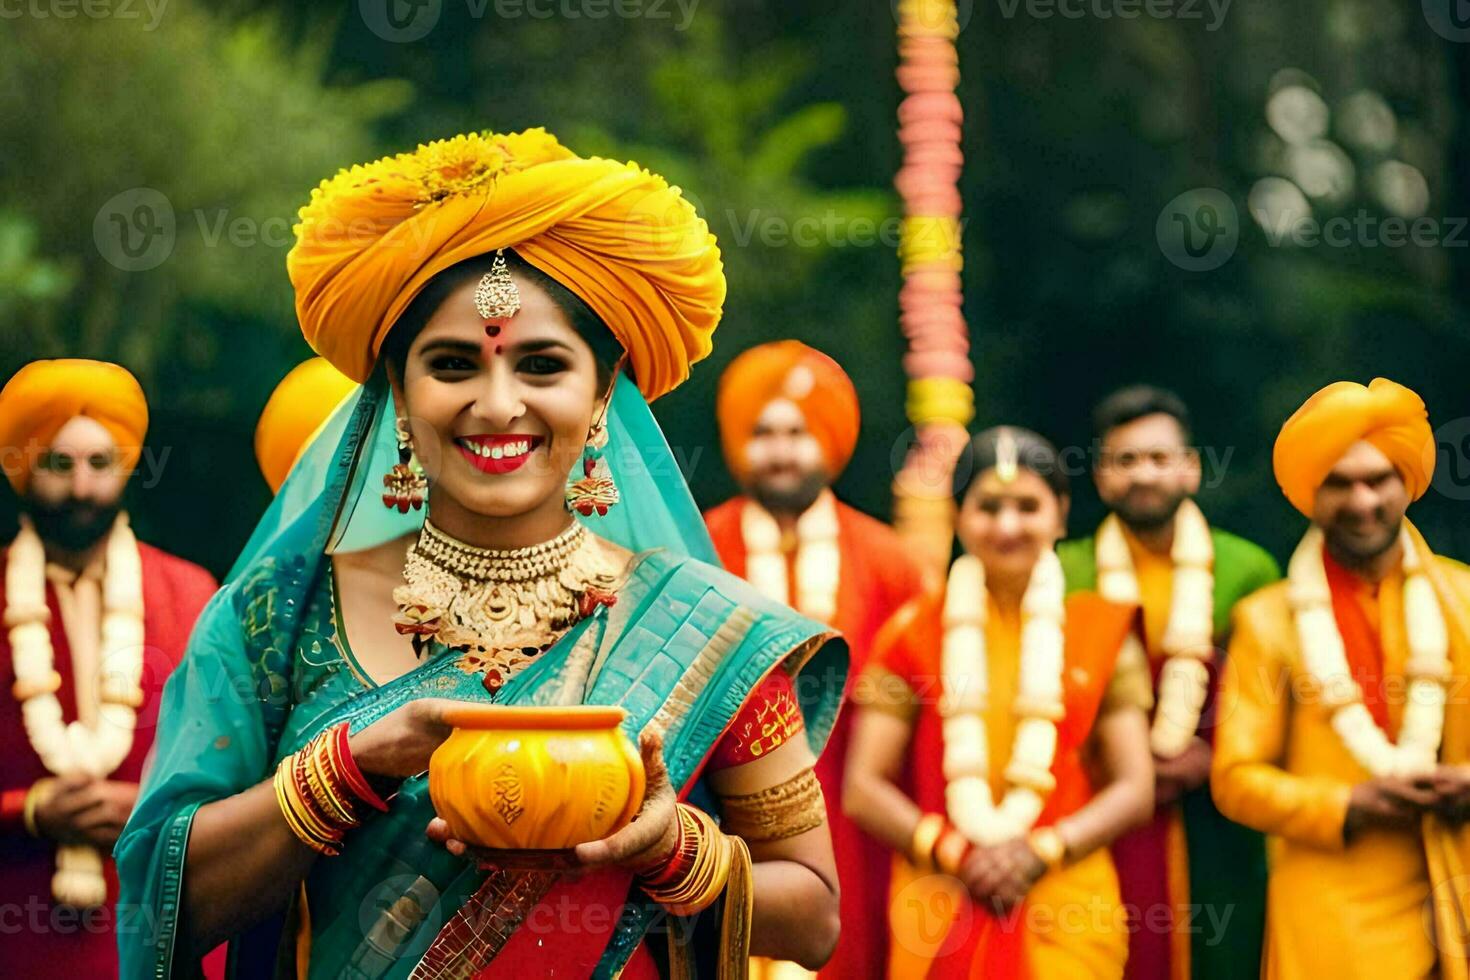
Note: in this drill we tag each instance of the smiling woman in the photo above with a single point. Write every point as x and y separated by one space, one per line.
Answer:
508 325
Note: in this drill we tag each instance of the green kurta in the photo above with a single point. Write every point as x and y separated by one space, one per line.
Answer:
1227 862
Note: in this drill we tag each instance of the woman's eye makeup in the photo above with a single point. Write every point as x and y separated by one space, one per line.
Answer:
450 364
541 364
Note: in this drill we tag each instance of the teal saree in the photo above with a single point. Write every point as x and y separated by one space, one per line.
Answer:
681 650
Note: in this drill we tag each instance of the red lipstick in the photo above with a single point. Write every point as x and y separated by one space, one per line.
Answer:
497 454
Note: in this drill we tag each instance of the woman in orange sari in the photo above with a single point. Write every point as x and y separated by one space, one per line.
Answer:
1001 745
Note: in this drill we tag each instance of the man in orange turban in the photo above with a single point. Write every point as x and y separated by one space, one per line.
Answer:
1343 731
788 419
294 413
86 649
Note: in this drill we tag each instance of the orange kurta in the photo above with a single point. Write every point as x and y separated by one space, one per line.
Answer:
1385 904
1072 924
876 577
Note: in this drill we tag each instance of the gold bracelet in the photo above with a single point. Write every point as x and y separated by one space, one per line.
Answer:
40 788
926 834
950 852
1049 846
778 812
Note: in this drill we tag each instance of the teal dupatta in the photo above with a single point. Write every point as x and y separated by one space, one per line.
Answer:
681 650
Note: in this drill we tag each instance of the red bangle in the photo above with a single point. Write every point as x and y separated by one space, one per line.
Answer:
356 782
679 860
12 806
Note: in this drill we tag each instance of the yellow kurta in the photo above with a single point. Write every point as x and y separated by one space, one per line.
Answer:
1358 911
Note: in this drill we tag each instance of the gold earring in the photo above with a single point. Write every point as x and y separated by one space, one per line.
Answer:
405 484
595 489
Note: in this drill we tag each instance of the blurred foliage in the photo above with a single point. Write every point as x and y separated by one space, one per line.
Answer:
779 119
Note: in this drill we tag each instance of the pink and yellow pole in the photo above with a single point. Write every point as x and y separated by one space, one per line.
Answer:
941 401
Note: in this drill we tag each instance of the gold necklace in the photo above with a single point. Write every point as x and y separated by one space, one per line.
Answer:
501 608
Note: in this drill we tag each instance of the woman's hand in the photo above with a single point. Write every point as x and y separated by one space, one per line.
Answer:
399 744
1000 877
645 843
654 833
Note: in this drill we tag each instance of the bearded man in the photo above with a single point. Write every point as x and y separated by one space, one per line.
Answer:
95 620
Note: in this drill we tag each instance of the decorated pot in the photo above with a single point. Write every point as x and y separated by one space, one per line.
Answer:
515 778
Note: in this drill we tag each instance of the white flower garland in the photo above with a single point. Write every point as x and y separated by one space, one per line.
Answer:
1038 702
1188 639
818 559
1324 657
68 749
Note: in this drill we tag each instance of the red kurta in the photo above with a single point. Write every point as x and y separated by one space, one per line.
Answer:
38 938
876 578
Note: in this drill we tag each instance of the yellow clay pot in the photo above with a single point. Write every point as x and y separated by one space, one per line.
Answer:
514 778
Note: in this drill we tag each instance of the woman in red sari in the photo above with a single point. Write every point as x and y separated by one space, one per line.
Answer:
1001 745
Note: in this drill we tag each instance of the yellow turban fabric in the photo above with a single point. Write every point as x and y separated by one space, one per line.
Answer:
295 411
788 369
45 395
617 236
1386 414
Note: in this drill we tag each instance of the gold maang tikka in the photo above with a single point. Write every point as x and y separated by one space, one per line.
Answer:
1007 456
496 295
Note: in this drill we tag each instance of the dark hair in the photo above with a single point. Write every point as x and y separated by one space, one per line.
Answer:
605 348
1134 402
1033 451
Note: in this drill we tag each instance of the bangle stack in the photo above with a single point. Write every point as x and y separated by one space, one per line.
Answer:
318 789
698 869
38 793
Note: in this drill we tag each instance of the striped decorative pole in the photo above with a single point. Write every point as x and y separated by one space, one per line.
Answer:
941 402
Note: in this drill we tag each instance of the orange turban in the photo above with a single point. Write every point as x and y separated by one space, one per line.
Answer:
45 395
1387 415
295 411
792 370
617 236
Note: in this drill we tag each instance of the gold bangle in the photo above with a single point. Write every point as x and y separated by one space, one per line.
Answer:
706 877
781 811
1049 846
921 844
949 853
40 788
